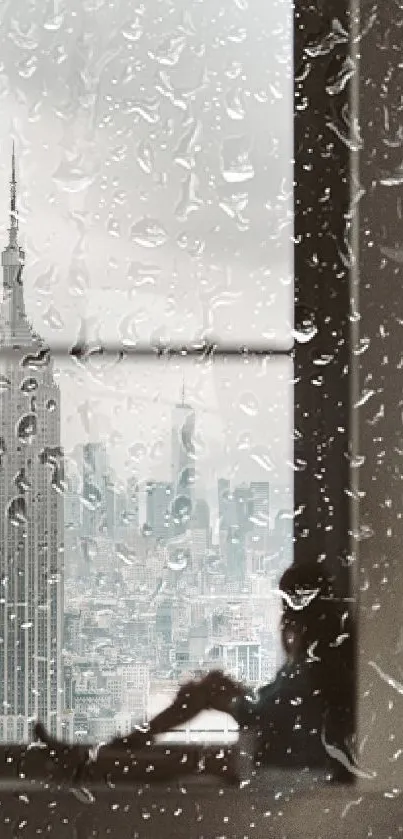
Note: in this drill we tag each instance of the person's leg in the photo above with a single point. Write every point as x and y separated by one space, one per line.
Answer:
189 701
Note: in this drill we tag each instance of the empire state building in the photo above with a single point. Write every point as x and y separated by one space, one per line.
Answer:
31 513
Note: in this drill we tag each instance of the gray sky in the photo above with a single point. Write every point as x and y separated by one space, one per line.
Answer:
154 146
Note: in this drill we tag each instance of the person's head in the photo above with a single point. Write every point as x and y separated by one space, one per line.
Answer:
311 618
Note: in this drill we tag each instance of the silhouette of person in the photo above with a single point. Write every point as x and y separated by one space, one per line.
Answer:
310 704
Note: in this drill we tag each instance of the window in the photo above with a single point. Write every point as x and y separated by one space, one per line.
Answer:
194 267
159 271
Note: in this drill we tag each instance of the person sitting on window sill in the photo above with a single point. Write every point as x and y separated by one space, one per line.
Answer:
305 717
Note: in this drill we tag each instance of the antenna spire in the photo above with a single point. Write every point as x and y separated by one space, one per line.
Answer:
13 203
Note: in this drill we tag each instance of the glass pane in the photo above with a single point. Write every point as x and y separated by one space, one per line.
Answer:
154 150
176 496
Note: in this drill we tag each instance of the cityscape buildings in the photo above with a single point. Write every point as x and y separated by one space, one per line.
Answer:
104 608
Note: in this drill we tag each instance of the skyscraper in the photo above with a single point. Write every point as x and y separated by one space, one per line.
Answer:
31 513
159 497
95 476
183 465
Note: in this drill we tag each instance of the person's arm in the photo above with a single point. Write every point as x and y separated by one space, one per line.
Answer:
248 709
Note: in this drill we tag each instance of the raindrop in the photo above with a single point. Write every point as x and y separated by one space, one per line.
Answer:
145 157
127 331
235 162
157 449
395 178
52 318
5 384
17 512
189 200
169 51
36 361
306 333
51 455
261 456
59 484
179 559
234 105
26 428
149 233
244 441
133 31
137 452
181 509
71 178
146 529
249 405
301 599
362 533
21 481
365 396
29 385
214 564
51 405
339 82
92 497
356 460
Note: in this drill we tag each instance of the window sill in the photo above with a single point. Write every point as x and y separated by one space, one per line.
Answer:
39 795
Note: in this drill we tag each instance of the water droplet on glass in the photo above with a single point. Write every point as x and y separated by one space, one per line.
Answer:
181 510
305 333
29 385
145 157
146 529
213 563
365 396
249 405
5 384
235 162
261 456
234 105
21 481
128 331
26 428
70 177
179 559
16 512
336 84
137 452
169 51
244 441
36 361
149 233
52 318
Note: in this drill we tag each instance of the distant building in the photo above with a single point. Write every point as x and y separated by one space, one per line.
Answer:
158 509
182 465
240 659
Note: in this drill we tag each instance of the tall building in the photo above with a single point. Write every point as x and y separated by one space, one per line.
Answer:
95 479
260 513
159 499
183 465
31 514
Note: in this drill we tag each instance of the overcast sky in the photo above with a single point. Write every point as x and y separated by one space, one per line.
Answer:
154 146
